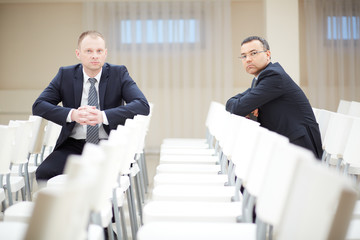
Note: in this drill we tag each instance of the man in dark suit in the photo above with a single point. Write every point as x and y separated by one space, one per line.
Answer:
275 99
71 87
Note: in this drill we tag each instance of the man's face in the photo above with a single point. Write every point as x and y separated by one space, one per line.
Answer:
92 54
256 58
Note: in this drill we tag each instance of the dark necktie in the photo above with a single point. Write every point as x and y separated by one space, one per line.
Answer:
92 135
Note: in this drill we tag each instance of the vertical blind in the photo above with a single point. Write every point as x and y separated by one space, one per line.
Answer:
333 51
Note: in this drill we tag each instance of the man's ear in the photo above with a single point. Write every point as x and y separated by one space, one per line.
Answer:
77 53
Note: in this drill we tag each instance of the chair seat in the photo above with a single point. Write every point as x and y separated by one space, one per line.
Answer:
191 159
190 179
354 169
188 151
188 168
356 212
193 193
13 230
56 181
16 183
197 230
184 140
15 169
95 232
156 211
188 145
353 230
19 212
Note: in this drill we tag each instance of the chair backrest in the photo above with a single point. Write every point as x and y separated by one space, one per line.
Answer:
22 141
323 117
61 213
120 137
264 152
7 142
319 206
245 147
354 109
352 148
37 134
343 106
285 160
52 132
337 133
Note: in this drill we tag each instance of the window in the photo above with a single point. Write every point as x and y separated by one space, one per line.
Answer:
159 31
342 27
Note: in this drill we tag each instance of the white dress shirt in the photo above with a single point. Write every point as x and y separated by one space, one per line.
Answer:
79 131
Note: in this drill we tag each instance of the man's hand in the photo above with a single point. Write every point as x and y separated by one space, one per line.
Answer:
94 116
79 115
87 115
255 113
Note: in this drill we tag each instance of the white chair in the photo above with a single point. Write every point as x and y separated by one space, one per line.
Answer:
336 138
351 156
20 159
185 190
6 145
217 211
52 131
343 106
323 117
319 207
298 183
37 138
67 206
12 184
354 109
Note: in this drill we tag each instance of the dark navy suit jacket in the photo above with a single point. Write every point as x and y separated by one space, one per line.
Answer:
283 107
115 87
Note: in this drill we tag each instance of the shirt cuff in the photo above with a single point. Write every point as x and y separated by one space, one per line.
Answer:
105 120
68 119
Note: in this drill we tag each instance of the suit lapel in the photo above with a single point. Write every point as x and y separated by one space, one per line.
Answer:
102 85
78 86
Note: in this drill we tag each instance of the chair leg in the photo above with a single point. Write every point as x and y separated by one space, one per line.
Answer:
8 188
132 208
138 195
27 180
145 171
116 214
123 222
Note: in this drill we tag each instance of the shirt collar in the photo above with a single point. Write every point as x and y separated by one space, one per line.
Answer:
97 77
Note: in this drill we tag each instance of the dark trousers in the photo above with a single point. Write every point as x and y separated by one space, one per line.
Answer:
54 164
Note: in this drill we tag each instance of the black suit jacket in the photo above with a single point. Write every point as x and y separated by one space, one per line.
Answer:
283 107
115 87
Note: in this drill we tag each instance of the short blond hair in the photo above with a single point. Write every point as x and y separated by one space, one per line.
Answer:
91 33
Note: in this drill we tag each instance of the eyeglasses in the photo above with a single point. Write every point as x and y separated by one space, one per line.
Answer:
251 54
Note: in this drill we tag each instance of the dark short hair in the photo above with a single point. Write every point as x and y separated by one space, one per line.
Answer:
262 40
91 33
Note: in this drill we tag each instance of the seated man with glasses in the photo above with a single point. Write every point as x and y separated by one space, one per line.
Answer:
275 99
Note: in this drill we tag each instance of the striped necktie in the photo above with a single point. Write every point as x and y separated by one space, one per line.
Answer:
92 135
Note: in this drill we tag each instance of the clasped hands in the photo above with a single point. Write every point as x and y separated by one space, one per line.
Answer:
87 115
255 113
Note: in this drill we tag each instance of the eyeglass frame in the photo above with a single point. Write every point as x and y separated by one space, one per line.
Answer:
251 54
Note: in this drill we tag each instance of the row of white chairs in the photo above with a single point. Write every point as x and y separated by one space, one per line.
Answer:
340 133
21 143
114 168
197 192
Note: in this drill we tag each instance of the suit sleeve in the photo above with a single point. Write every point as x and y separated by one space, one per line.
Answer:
136 103
46 105
270 87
